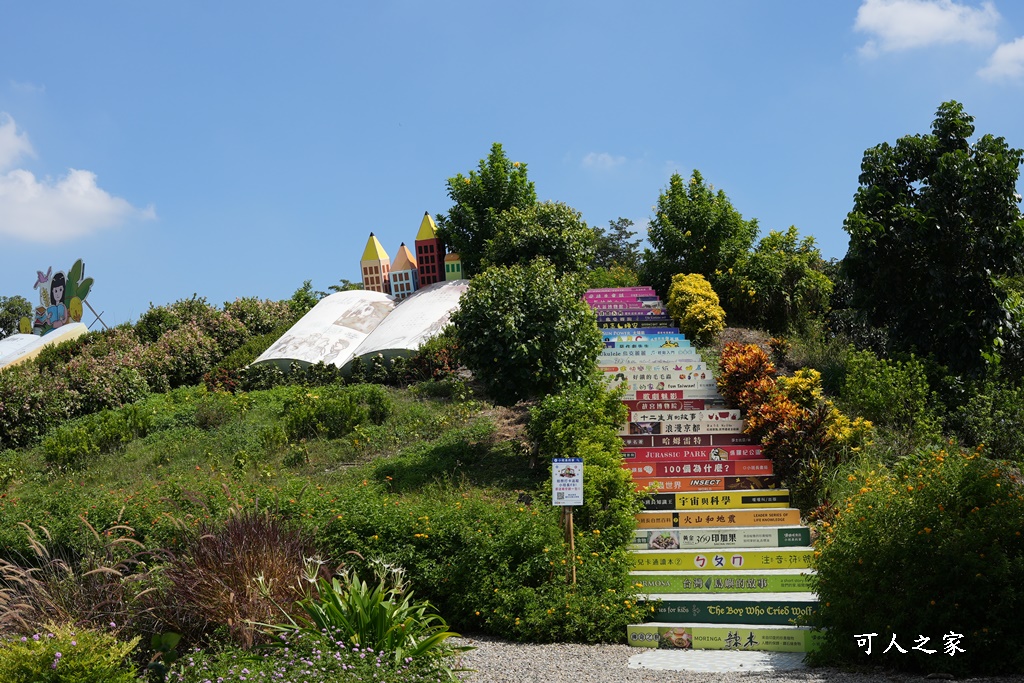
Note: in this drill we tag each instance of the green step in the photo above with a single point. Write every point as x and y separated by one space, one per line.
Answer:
724 537
752 637
736 581
707 559
765 608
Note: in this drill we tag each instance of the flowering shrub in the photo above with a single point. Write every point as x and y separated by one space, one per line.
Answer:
693 302
64 654
802 432
32 403
180 357
259 317
939 535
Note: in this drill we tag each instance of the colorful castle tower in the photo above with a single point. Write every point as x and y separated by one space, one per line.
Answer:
404 276
376 267
429 252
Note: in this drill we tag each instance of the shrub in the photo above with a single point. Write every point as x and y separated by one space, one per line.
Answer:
525 332
32 403
993 417
549 230
261 377
938 534
66 654
614 276
894 395
259 317
314 414
109 381
801 431
235 574
437 358
694 304
74 444
780 285
562 422
179 358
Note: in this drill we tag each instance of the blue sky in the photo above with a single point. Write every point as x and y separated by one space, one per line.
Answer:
237 149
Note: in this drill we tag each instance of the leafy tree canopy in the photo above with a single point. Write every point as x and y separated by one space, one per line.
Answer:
552 230
616 246
936 222
12 310
525 332
498 185
695 230
780 285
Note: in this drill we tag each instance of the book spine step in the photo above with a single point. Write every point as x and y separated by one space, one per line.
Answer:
713 537
697 484
752 637
718 518
717 558
697 461
735 609
736 581
713 500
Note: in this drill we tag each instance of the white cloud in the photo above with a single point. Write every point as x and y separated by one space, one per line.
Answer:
53 211
28 87
13 145
1006 63
601 161
906 24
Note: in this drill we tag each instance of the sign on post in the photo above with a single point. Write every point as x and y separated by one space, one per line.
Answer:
567 481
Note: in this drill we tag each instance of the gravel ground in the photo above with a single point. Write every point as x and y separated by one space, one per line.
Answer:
496 661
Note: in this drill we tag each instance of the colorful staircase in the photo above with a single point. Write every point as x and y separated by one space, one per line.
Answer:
723 557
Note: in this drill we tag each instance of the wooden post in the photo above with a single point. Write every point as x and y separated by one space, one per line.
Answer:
572 543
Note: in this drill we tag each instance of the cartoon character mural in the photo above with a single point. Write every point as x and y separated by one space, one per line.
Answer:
60 299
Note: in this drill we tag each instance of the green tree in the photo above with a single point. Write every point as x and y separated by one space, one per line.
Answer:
695 230
12 310
345 285
780 285
616 246
549 229
525 332
498 185
936 221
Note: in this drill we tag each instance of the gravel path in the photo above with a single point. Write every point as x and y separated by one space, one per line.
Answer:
496 661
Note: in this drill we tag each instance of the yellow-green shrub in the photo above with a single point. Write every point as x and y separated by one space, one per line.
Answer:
693 302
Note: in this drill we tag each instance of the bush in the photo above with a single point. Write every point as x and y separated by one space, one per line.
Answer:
493 564
780 285
74 444
437 358
65 654
939 535
32 403
894 395
179 358
259 317
549 230
693 303
994 418
525 332
801 431
321 414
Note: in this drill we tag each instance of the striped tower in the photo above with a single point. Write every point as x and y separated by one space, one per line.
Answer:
429 252
404 276
375 266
